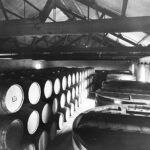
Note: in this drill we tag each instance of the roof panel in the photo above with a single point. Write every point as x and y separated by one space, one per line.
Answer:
134 36
138 8
146 41
23 8
115 5
84 9
71 4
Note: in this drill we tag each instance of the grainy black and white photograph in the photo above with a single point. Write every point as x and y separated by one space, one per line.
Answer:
74 74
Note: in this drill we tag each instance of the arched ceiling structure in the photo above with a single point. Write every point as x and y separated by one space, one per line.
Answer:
75 29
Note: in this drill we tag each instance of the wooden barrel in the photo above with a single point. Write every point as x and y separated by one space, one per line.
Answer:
66 113
12 98
28 146
69 80
73 77
59 119
42 140
48 89
64 83
54 105
30 119
51 76
11 133
62 100
77 77
31 88
34 93
77 91
38 141
44 111
68 95
76 104
73 93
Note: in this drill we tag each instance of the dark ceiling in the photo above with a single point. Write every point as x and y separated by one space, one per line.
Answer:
74 29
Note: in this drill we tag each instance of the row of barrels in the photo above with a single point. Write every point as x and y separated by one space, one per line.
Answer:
29 86
39 121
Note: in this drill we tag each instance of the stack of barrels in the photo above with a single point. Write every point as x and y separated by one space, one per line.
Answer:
38 102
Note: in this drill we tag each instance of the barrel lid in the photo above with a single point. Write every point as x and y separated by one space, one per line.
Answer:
29 147
14 134
62 100
46 112
67 115
43 140
69 80
57 86
53 131
61 121
73 93
77 77
72 109
48 89
34 93
64 82
33 122
14 98
73 79
77 90
68 96
80 76
55 106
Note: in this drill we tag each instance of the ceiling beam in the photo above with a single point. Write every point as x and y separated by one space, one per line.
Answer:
73 49
69 56
93 5
44 14
3 9
21 28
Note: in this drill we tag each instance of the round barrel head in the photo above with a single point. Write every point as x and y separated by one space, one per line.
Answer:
14 98
64 83
77 77
46 112
33 122
43 140
48 89
57 86
77 91
67 115
62 100
73 93
55 105
68 96
73 79
61 121
29 147
13 134
69 80
34 93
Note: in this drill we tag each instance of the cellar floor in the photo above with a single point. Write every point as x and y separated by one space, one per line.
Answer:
63 139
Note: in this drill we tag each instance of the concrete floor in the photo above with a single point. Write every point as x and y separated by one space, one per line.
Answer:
63 140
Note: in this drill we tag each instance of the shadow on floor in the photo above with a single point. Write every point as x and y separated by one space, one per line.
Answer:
61 142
